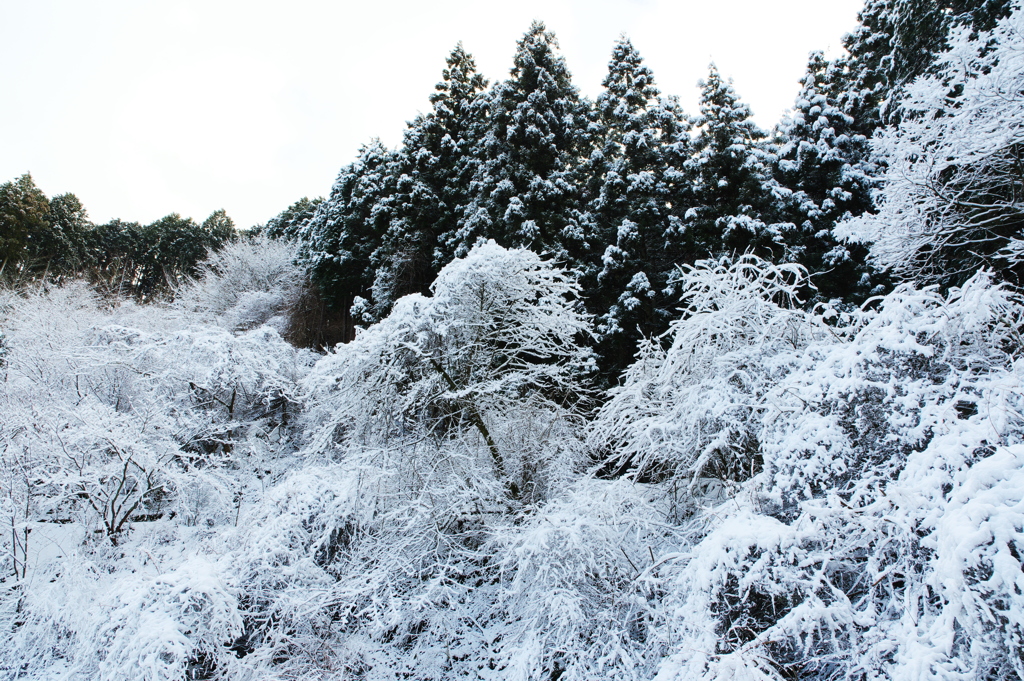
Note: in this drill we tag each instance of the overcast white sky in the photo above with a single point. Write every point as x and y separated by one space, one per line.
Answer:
146 108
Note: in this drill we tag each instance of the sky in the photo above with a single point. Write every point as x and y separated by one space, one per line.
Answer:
144 108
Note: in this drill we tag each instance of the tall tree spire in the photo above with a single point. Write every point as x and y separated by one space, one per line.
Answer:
525 192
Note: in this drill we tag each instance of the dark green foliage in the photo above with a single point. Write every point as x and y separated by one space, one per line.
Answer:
735 202
53 238
526 188
64 246
24 210
827 166
41 236
897 41
148 261
640 183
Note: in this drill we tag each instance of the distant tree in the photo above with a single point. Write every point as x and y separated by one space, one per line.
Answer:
64 247
146 261
218 228
289 223
24 212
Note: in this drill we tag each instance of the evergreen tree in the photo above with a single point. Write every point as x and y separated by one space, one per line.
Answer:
348 228
431 175
735 199
526 189
895 42
827 167
289 223
218 229
24 212
639 139
117 254
41 236
63 247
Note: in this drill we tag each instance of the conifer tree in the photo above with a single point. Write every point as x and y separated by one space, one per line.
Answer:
639 136
525 191
735 198
431 173
895 42
348 227
827 167
24 209
64 246
289 223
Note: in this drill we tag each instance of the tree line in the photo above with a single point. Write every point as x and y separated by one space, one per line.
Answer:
42 237
629 187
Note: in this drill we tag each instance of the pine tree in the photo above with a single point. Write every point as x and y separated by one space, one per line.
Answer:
639 137
525 191
431 175
735 198
827 167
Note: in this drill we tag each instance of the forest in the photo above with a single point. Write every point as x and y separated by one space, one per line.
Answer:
555 390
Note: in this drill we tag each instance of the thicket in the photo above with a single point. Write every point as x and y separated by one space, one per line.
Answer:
782 482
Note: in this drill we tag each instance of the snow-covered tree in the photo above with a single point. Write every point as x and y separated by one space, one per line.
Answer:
734 202
525 191
827 166
637 172
686 412
246 284
495 350
950 200
882 537
289 223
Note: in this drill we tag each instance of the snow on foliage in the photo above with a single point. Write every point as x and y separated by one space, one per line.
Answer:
797 493
126 436
492 354
950 201
770 492
247 283
687 410
883 537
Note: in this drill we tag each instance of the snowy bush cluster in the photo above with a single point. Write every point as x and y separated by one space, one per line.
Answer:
798 493
773 490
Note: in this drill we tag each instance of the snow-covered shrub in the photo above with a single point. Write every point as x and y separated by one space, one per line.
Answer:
246 283
494 353
690 410
346 571
169 625
883 539
119 445
950 201
581 589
